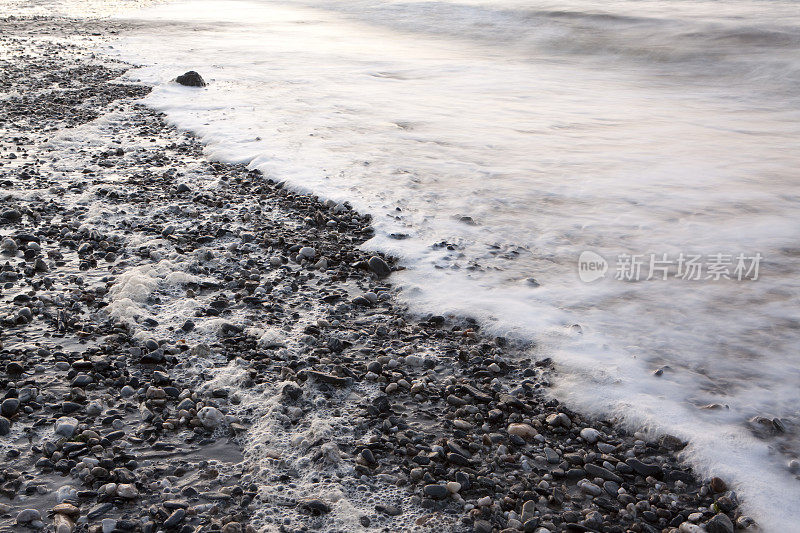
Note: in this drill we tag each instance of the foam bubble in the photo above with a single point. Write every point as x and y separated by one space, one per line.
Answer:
132 289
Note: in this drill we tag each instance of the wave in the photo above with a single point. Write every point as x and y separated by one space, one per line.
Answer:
743 48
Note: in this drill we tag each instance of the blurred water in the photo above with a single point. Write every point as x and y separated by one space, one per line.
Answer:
653 127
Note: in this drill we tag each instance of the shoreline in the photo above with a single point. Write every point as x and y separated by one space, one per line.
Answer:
234 338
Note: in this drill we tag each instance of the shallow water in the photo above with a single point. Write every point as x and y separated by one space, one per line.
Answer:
639 128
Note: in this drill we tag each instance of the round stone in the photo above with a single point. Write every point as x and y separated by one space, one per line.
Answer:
590 435
127 491
26 516
9 407
525 431
66 426
211 417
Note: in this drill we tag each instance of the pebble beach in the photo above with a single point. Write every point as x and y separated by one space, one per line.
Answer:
190 346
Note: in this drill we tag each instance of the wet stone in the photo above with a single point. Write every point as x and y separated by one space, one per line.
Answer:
642 468
191 79
14 368
720 523
388 509
26 516
599 471
99 510
175 518
436 492
315 507
379 267
9 407
65 426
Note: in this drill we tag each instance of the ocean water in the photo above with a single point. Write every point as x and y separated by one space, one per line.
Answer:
497 143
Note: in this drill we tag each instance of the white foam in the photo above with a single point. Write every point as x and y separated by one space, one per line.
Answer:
268 337
132 289
285 438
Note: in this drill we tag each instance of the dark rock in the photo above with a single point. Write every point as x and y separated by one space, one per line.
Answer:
291 392
482 526
719 524
99 510
175 504
671 442
644 469
368 457
463 479
315 507
388 509
478 395
191 79
14 368
458 459
9 407
379 267
718 485
727 502
82 380
382 404
175 518
360 300
156 356
530 526
678 475
435 491
599 471
11 214
230 329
